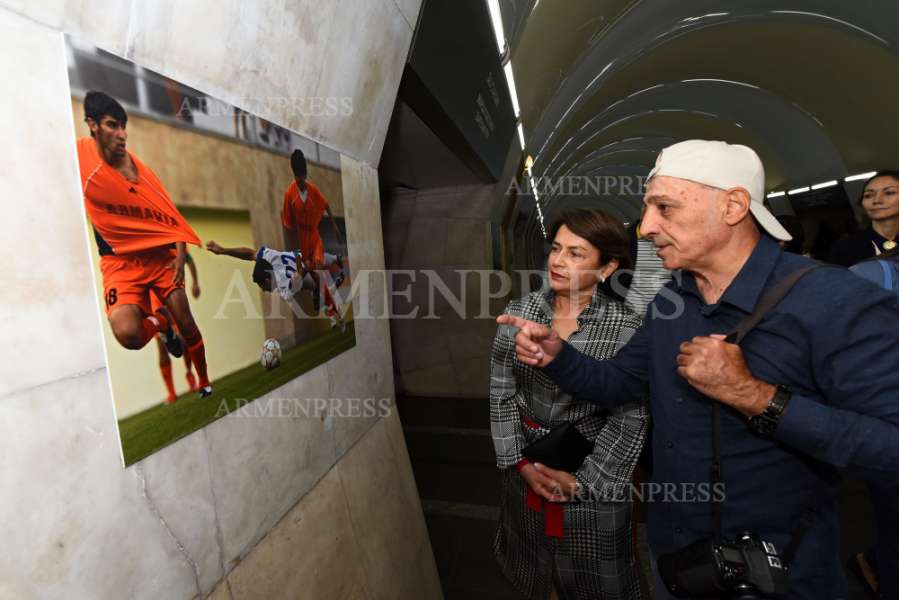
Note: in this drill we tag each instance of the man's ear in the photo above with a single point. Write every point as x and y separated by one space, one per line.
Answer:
92 125
738 201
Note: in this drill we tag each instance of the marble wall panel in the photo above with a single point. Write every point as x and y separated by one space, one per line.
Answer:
81 526
48 305
265 457
390 529
319 530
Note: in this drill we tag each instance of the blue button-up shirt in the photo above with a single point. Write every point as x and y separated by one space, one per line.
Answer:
834 341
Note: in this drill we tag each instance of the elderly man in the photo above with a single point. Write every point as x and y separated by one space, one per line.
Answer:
814 386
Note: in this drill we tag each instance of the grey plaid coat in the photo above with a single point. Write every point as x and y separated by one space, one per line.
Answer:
595 558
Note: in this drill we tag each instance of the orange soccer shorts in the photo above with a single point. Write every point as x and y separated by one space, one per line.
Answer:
131 278
313 251
156 303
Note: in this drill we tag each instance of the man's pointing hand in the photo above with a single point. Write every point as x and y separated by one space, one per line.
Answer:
535 344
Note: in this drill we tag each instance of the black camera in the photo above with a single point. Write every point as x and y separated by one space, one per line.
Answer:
742 569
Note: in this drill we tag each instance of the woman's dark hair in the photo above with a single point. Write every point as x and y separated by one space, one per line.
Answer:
885 173
605 233
99 104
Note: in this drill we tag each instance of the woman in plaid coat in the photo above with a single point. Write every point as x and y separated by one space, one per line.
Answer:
545 544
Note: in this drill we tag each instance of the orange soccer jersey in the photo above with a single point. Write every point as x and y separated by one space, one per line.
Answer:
136 224
304 217
131 216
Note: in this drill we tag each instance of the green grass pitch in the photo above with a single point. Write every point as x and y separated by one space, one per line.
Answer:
148 431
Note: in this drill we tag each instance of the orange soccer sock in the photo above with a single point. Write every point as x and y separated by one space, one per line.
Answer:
151 326
325 285
191 380
166 371
197 352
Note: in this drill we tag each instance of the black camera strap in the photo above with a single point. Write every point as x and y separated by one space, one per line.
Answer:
717 475
771 299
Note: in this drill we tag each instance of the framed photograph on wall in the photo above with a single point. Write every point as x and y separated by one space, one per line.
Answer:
218 246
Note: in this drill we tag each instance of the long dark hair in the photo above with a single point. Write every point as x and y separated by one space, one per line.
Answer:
605 233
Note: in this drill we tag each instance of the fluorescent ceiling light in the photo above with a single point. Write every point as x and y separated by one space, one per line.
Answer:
521 135
861 176
496 17
826 184
776 194
713 80
799 190
510 80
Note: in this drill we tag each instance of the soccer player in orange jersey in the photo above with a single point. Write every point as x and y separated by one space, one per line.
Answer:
141 237
304 207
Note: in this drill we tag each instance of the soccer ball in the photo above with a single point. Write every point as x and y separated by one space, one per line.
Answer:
271 353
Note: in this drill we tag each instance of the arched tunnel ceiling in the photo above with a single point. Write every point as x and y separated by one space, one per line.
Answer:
604 84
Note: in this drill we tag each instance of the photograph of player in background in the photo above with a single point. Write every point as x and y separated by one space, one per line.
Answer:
277 271
165 363
304 207
141 238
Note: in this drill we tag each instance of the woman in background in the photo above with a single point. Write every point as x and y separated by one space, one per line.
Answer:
880 199
546 545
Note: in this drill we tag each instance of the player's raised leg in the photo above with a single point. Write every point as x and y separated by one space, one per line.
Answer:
133 328
179 306
134 315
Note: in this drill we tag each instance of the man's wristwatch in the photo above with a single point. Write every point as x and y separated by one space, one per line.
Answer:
766 423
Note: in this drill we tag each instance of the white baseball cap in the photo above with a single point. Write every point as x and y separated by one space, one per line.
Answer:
724 166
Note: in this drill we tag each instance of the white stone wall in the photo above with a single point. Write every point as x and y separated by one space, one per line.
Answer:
247 507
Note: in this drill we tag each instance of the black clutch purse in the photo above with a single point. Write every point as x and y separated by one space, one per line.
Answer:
564 449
